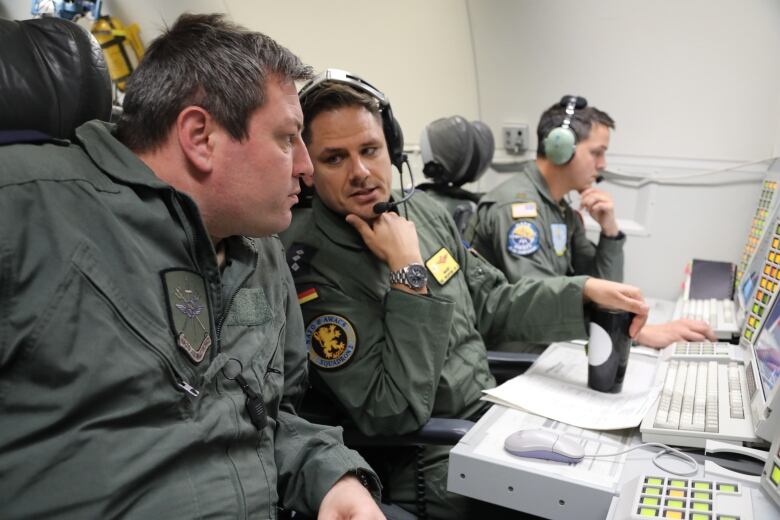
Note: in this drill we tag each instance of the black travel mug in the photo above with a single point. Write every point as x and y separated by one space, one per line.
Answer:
608 348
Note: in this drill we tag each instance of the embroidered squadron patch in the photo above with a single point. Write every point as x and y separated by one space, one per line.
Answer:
559 238
442 265
331 340
524 210
188 311
522 239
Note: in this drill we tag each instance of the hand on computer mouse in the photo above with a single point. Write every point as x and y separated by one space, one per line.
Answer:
544 444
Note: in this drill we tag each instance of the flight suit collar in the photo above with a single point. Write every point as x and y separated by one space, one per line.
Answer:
334 226
533 172
114 158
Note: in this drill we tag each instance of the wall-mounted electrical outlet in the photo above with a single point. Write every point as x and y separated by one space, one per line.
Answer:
515 138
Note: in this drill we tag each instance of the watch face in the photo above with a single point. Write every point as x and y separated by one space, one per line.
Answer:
417 276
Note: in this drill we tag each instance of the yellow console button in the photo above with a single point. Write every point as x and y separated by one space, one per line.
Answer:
678 483
702 494
700 506
651 490
727 488
676 493
654 480
700 516
647 511
675 503
775 476
650 501
702 485
673 514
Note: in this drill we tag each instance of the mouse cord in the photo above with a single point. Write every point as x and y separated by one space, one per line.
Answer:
666 449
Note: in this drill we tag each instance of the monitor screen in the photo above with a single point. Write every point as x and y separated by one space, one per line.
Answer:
767 350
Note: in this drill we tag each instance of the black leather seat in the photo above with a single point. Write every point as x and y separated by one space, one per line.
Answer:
53 78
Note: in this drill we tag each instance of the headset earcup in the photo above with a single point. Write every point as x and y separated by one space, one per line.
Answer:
559 145
394 137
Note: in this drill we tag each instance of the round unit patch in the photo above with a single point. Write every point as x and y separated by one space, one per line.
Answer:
331 340
523 238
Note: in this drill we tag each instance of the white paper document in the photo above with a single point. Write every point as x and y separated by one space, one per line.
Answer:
556 387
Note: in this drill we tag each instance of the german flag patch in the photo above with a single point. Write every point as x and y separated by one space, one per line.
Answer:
307 295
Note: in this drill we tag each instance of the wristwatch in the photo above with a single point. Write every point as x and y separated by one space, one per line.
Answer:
414 276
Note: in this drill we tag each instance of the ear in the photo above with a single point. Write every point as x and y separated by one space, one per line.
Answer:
194 127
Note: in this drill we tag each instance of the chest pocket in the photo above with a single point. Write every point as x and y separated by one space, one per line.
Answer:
253 333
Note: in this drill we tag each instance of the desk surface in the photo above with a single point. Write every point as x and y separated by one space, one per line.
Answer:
479 468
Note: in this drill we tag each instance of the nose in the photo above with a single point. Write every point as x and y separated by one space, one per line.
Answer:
302 165
359 171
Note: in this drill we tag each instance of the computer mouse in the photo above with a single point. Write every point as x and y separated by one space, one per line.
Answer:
544 444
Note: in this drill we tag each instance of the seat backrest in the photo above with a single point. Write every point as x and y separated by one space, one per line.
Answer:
455 152
53 78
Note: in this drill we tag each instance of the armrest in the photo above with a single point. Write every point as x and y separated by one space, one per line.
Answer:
506 365
437 431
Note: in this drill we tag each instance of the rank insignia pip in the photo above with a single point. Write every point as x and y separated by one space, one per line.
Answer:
524 210
522 239
442 265
331 340
188 311
559 238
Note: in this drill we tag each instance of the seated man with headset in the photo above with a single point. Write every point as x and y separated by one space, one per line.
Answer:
526 228
396 310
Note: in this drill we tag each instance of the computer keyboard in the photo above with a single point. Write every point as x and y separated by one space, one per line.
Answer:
689 399
719 314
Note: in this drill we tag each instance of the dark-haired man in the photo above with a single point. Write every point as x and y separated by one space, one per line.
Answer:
526 228
152 348
397 310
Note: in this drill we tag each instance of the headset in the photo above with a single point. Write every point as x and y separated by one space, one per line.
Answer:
392 130
560 143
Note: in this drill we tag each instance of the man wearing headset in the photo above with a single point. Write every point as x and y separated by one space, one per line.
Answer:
396 310
526 228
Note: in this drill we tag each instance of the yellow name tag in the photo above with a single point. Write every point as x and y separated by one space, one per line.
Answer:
524 210
442 265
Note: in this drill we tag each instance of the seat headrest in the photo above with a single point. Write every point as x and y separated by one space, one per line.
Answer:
454 151
53 77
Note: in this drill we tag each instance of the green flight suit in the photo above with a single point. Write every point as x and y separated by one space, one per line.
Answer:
393 359
102 414
569 253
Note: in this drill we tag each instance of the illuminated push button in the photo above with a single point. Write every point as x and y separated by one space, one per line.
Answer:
755 308
669 513
676 493
651 490
701 506
702 485
675 503
775 476
728 488
650 501
727 517
654 481
702 495
700 516
648 511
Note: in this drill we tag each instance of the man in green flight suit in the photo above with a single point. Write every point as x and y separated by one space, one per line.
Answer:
397 311
526 227
152 350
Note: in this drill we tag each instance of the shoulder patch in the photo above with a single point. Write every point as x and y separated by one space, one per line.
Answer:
299 257
524 210
522 239
331 341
